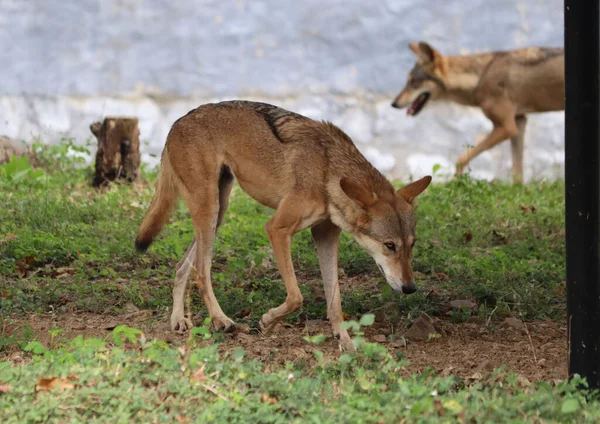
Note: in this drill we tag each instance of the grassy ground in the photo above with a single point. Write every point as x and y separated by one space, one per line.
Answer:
66 248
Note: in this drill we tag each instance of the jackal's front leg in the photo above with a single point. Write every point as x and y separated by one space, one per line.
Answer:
281 240
294 214
326 237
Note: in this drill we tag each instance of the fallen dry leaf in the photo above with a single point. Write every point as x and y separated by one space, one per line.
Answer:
8 238
23 266
468 236
4 388
526 208
47 384
432 293
183 420
62 272
500 237
441 276
243 313
199 374
523 381
439 408
269 400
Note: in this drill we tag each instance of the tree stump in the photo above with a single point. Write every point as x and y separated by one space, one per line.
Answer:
118 155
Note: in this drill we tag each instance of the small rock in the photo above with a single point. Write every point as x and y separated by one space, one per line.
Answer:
245 337
111 325
422 329
379 338
380 316
242 328
514 323
168 337
486 365
138 316
463 304
386 331
130 308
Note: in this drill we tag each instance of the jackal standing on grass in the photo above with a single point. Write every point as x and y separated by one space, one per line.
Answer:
310 172
505 85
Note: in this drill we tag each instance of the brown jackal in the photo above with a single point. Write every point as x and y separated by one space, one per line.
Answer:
310 172
505 85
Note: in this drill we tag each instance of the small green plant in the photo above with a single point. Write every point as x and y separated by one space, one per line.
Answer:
203 332
123 333
85 381
18 169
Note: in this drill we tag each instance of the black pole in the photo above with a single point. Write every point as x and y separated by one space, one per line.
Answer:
582 180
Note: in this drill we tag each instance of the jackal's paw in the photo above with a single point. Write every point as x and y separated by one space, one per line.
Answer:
266 326
223 323
180 324
345 341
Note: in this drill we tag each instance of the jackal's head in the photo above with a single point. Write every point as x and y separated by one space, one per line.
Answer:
385 227
425 80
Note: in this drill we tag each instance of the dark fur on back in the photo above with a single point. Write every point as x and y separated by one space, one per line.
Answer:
274 116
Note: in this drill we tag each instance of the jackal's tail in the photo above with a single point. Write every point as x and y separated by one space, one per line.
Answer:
163 202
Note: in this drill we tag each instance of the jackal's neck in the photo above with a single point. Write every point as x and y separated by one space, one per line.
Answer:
463 76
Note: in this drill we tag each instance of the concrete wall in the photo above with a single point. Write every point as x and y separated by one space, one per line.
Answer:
66 63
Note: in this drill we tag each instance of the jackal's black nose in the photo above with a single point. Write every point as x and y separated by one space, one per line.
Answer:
409 289
394 105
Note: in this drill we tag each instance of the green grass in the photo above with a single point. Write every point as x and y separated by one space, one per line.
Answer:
477 240
66 247
152 382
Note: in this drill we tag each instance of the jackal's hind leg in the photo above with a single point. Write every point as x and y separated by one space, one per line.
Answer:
179 323
517 147
204 205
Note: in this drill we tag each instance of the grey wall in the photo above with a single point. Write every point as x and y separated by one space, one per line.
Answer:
65 63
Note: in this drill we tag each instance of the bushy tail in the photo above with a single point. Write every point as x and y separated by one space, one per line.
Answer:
163 202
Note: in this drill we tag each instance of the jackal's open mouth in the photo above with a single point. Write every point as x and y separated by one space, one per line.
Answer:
418 104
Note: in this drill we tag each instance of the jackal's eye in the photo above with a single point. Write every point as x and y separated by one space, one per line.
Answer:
390 246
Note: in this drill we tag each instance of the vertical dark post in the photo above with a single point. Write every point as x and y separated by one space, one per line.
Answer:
582 197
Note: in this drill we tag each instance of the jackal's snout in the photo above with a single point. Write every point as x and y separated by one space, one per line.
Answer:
403 285
409 289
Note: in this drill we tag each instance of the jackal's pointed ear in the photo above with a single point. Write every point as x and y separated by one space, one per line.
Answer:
433 56
428 52
412 190
415 48
358 193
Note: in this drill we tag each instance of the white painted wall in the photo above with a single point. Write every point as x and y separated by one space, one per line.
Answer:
66 63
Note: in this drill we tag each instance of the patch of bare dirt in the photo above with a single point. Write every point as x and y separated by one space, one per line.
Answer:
537 350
